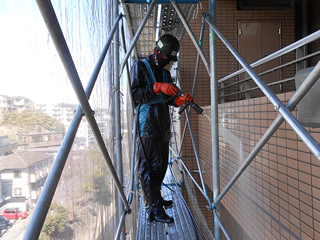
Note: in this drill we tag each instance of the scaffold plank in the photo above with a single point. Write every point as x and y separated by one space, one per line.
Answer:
181 228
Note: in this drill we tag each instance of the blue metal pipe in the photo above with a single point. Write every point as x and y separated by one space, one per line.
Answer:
296 98
137 35
305 136
214 115
197 156
44 201
191 35
224 230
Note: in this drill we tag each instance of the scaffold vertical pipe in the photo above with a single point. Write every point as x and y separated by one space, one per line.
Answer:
117 117
214 117
44 201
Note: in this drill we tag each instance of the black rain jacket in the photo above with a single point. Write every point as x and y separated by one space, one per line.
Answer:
157 120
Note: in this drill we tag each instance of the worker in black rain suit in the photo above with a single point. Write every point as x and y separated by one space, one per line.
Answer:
152 94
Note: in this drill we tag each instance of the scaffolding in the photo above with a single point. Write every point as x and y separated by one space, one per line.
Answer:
84 108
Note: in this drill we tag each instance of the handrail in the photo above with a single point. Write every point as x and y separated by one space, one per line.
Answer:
304 135
284 111
274 69
255 88
276 54
121 222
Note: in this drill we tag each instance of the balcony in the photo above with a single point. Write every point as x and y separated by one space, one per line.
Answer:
34 177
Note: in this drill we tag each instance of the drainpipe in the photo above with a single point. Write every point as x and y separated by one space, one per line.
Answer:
117 118
214 117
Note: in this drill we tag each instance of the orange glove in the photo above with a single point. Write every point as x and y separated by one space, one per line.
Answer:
165 88
183 100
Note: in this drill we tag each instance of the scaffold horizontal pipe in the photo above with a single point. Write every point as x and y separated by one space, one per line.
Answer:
295 99
277 54
304 135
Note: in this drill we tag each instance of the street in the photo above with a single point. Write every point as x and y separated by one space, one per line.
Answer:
18 229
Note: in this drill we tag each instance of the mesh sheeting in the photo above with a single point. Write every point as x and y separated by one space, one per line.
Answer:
35 114
195 207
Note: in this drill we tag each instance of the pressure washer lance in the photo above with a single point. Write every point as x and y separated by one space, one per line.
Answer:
198 109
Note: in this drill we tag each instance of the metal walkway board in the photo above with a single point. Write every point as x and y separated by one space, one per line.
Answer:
181 228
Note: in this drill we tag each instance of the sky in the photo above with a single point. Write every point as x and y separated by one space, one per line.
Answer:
29 64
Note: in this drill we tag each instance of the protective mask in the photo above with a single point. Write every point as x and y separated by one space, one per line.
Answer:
161 62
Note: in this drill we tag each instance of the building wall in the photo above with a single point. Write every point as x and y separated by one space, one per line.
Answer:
227 18
278 196
9 182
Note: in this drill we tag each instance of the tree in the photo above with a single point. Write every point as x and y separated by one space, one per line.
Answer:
30 119
56 221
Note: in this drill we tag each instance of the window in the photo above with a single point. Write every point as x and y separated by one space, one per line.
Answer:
18 191
32 169
17 174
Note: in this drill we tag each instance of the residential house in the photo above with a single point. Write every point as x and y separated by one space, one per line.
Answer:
40 137
7 145
24 173
16 103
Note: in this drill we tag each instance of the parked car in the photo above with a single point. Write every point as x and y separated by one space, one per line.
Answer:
4 223
14 213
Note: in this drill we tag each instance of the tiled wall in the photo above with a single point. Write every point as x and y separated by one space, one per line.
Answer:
278 196
227 17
